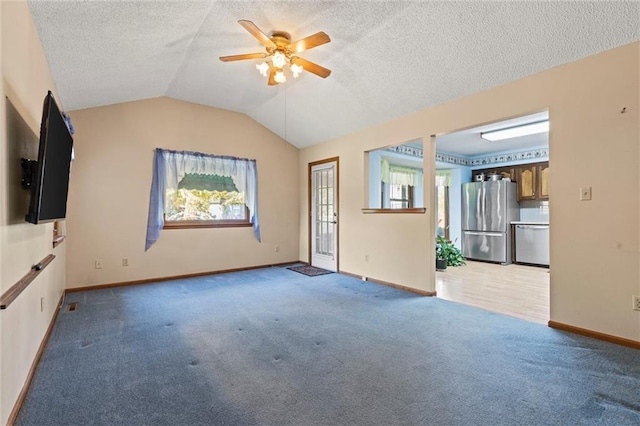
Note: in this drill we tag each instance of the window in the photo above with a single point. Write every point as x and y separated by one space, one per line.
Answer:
400 196
443 179
206 201
398 183
395 179
191 189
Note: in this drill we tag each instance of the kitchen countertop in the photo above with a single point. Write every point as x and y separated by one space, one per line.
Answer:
518 222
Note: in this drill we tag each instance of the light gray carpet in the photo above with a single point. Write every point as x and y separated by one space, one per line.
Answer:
274 347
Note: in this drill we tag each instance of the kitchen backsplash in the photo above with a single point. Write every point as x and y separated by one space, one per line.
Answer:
534 211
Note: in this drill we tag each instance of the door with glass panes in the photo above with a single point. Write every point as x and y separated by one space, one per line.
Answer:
324 215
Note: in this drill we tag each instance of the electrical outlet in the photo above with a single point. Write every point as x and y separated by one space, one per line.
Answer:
42 304
98 264
636 303
125 261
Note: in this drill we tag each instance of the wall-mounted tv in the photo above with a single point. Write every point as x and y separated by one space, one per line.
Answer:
48 177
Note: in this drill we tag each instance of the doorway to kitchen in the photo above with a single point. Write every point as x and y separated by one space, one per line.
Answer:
492 203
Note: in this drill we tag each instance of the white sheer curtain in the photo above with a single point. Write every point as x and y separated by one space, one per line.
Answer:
398 175
443 177
170 167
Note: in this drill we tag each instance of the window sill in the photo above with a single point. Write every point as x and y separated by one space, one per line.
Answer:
415 210
191 224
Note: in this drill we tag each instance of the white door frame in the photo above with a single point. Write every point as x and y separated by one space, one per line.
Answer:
334 265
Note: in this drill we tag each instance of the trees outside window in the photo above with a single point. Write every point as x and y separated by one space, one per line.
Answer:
192 189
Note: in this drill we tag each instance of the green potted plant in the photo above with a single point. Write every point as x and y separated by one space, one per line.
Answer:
447 254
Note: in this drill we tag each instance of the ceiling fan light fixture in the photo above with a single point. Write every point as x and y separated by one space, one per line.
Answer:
263 68
280 54
296 70
279 77
279 59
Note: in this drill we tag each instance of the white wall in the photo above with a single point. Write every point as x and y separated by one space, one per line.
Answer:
534 211
595 268
25 80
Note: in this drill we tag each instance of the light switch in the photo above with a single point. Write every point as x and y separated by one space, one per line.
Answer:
585 193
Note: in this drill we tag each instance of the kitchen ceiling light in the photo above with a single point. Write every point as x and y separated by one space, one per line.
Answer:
514 132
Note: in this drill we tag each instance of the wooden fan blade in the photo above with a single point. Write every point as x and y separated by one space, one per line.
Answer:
272 73
310 42
242 57
257 33
311 67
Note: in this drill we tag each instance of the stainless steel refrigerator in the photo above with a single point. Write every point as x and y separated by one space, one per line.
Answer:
488 208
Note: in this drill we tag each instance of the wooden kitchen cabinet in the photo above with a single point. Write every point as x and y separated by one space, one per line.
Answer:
526 180
543 181
533 181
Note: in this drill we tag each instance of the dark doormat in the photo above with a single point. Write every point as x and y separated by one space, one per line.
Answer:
309 270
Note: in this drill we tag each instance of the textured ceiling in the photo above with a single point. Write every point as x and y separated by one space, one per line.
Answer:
388 59
469 143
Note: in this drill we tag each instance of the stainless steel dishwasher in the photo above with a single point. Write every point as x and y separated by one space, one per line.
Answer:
532 244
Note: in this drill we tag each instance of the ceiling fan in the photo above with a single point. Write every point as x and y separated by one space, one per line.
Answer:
280 52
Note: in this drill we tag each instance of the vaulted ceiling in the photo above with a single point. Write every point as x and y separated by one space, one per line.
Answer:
388 59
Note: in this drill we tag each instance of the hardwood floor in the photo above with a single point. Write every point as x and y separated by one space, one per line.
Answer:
515 290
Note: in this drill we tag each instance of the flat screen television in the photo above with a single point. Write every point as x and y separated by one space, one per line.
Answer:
48 178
